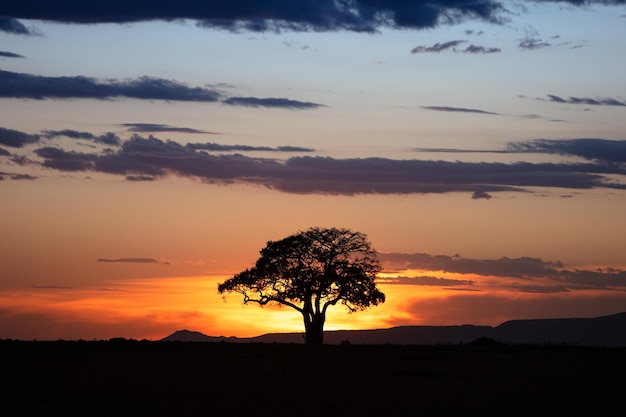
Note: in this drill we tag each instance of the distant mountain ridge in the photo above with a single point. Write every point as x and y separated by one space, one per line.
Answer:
607 331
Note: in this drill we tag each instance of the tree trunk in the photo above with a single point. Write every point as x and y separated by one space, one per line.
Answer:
314 330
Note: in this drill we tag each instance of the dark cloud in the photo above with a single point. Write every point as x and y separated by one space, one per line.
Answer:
600 278
4 152
271 102
7 54
457 109
272 15
436 48
526 268
15 138
15 27
159 128
601 101
108 138
323 175
267 15
613 151
26 86
451 45
425 280
481 195
140 178
22 177
5 175
466 110
61 160
38 87
601 150
133 260
23 160
540 289
475 49
216 147
530 44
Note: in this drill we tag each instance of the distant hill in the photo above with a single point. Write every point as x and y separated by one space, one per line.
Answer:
600 331
609 331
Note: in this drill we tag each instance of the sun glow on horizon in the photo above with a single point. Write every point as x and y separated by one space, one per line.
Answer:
152 308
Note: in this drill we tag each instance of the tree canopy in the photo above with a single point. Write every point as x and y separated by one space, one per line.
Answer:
310 271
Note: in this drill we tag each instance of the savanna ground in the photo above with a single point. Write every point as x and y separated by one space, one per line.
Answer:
145 378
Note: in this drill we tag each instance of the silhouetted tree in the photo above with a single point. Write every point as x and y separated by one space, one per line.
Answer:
310 271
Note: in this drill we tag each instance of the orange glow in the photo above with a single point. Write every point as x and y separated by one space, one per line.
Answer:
152 308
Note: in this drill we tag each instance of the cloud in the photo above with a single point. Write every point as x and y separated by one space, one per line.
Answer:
26 86
593 149
22 177
425 280
457 109
38 87
23 160
271 102
281 15
474 49
436 48
601 101
481 195
451 45
269 15
17 177
540 289
108 138
216 147
71 161
133 260
611 151
15 138
140 178
479 111
7 54
152 157
530 44
525 268
599 278
15 27
159 128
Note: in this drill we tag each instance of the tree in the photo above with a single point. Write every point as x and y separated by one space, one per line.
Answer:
310 271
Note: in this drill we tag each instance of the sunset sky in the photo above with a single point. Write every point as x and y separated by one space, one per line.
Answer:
148 152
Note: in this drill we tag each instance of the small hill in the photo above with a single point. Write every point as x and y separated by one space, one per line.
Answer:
192 336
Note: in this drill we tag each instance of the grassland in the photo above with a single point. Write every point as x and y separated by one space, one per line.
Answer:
144 378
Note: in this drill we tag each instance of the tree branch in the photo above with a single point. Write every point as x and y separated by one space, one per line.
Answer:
263 300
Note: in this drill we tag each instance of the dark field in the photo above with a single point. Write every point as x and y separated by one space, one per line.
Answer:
142 378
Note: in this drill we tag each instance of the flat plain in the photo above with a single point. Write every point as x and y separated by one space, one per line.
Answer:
122 377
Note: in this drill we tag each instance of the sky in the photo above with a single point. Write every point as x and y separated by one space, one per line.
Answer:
149 151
